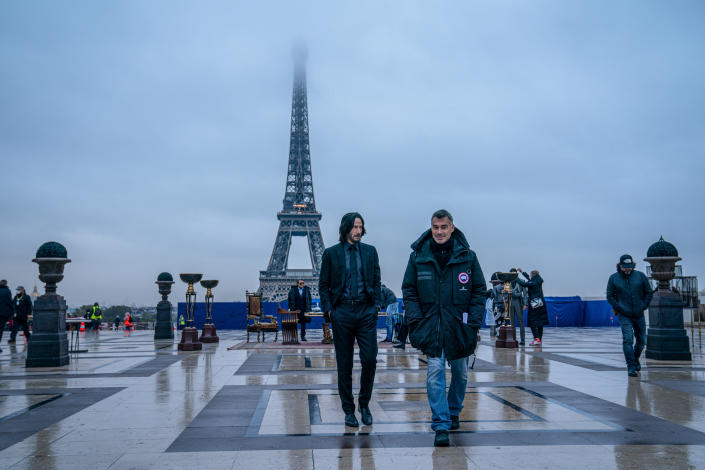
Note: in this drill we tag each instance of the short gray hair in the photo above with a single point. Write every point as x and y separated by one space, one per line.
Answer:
442 213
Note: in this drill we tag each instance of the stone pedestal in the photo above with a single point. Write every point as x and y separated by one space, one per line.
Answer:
48 346
507 338
666 338
209 335
164 329
189 340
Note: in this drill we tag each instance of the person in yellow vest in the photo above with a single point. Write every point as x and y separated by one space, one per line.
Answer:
182 322
96 316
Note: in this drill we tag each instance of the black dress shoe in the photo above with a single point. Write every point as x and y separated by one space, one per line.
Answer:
400 346
454 422
351 420
366 416
441 439
303 339
11 341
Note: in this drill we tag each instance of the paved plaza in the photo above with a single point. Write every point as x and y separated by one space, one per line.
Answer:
133 403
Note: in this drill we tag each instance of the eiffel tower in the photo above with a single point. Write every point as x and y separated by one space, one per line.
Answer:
299 217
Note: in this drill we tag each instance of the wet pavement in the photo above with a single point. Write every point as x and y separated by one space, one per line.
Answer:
134 403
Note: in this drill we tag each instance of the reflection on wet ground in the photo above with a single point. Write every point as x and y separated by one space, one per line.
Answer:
134 403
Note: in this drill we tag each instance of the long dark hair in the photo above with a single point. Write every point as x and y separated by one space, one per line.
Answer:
347 223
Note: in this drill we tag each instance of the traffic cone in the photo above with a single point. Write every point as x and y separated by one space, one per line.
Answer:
83 327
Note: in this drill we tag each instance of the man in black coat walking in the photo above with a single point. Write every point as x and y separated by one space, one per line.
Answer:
6 307
349 286
444 297
23 308
300 300
629 293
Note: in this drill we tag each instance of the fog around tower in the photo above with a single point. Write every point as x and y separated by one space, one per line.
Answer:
153 136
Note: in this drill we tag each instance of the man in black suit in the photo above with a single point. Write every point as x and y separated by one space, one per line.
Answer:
349 286
300 300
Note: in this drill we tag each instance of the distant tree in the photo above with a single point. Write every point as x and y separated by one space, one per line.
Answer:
109 313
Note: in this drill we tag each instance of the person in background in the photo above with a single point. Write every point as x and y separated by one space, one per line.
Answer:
23 309
629 293
538 314
116 322
403 334
497 297
7 309
489 312
96 316
390 303
517 308
300 300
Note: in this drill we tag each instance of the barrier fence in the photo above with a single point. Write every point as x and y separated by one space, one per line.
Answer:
562 311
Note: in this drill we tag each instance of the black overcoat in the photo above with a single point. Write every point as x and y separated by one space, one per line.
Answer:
291 301
535 316
6 306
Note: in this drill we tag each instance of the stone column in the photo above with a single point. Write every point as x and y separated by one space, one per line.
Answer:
48 345
163 329
666 338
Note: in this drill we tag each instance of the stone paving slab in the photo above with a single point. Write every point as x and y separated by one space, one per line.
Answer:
144 405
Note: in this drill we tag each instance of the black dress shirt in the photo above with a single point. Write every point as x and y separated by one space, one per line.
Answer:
353 250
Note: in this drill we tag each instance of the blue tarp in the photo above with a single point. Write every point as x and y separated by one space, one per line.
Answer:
573 311
233 315
562 311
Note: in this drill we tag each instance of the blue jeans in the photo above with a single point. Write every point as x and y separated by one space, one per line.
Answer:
442 406
632 328
392 309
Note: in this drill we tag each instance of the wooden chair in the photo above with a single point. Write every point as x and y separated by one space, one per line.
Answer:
256 320
290 320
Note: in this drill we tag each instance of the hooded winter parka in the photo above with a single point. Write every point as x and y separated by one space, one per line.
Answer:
443 308
6 306
629 295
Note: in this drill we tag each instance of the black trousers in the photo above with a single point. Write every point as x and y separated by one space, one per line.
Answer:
537 331
350 323
517 316
302 322
403 332
16 326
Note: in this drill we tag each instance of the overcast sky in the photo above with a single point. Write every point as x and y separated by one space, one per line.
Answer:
151 136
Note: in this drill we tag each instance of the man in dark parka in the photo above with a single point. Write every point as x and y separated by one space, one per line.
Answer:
444 298
629 293
7 309
23 309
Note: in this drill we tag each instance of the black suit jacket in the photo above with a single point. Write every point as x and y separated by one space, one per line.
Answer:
332 279
293 293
